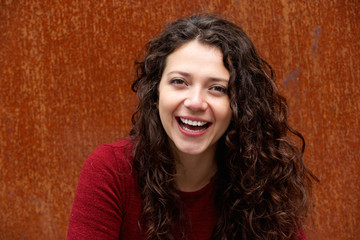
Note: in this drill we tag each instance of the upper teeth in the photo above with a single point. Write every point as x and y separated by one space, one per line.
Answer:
192 123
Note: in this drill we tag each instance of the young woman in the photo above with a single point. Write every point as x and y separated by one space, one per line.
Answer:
210 155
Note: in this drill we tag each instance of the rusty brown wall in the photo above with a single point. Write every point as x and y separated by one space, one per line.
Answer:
65 72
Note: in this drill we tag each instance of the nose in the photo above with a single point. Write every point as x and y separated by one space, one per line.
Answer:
196 100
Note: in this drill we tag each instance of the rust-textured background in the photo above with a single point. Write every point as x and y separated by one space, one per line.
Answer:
66 69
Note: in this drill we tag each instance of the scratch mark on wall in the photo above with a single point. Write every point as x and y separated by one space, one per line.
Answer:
317 33
292 76
35 202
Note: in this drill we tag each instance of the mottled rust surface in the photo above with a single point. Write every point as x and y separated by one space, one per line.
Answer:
66 69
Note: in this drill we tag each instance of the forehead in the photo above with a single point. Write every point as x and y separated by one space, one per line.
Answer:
194 47
197 58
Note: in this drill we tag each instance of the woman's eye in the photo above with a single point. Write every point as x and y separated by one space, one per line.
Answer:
177 81
219 89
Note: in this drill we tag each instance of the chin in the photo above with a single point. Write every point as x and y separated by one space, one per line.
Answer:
192 149
193 152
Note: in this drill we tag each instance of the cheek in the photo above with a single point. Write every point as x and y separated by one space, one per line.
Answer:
163 105
224 117
227 115
223 110
169 101
225 121
166 109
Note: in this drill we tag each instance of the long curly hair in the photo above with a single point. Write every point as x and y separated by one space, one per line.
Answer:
263 185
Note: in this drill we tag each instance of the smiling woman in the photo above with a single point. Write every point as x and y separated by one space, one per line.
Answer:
210 154
194 108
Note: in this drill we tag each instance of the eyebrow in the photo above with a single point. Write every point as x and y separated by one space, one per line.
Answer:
185 74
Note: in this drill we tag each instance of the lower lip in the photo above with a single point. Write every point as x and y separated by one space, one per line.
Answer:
190 133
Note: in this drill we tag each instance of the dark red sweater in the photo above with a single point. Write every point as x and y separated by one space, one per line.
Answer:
107 202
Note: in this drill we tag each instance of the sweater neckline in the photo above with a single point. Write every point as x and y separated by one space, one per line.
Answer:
209 185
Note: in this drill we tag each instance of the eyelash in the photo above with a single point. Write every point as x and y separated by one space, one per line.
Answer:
217 89
177 81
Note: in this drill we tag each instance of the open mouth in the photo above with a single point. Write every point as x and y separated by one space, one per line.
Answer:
192 126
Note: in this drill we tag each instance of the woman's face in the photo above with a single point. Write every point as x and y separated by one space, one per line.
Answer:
193 105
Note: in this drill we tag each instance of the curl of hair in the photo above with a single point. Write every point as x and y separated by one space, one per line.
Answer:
264 186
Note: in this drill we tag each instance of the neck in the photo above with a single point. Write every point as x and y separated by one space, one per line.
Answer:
193 172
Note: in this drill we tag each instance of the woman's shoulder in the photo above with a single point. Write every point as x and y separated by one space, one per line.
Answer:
124 145
117 156
105 190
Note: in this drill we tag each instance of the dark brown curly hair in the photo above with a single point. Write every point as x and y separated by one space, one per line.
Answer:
263 185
